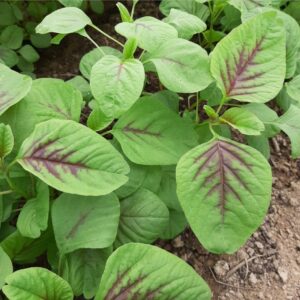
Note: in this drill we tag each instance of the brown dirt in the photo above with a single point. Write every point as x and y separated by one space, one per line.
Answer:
269 264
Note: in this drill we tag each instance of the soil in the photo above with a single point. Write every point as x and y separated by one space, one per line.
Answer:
268 266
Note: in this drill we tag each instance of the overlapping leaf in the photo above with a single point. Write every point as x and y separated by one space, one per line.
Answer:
243 62
6 267
6 140
147 272
73 159
224 189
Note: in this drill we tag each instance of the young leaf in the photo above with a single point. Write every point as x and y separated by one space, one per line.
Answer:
48 99
260 143
243 62
83 270
243 120
116 84
6 267
73 159
182 66
289 123
6 140
148 31
148 272
186 24
12 37
97 120
33 217
224 189
9 57
90 58
65 20
36 283
124 13
130 48
92 222
143 218
29 54
81 84
13 87
151 134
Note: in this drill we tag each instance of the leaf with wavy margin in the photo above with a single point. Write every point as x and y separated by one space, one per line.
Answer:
148 272
243 62
73 159
224 189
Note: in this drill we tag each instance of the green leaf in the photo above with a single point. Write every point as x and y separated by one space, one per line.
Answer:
33 217
293 9
149 272
170 99
73 159
189 6
116 84
224 189
243 120
29 54
124 13
246 5
243 62
130 48
25 66
40 40
182 66
13 87
6 267
48 99
12 37
151 134
71 3
293 88
289 123
83 270
7 16
65 20
90 58
97 7
6 140
143 218
186 24
148 31
36 284
97 120
8 56
79 83
260 143
92 222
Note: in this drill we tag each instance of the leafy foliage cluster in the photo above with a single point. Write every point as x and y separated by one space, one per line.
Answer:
90 193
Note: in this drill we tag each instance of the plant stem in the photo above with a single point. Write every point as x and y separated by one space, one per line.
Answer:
95 44
6 192
141 54
212 130
107 35
221 105
197 108
132 10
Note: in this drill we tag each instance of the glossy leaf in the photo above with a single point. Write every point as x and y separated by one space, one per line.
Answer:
182 66
65 20
92 222
289 123
35 284
143 218
83 270
6 140
90 58
151 134
224 189
6 267
149 272
243 62
13 87
243 120
148 31
73 159
186 24
116 84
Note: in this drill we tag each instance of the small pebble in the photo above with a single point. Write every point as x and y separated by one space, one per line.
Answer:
221 268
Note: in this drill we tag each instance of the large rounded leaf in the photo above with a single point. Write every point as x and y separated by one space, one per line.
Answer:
148 31
152 134
36 284
13 87
182 66
243 62
92 222
224 189
143 218
116 84
73 159
65 20
137 271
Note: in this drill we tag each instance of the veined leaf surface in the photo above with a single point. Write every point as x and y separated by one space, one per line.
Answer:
224 189
13 87
6 140
92 222
148 272
243 62
73 159
152 134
